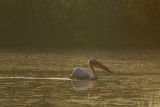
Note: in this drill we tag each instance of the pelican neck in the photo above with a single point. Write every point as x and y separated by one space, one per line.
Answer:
92 69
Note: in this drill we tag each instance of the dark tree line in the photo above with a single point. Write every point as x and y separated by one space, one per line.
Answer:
79 23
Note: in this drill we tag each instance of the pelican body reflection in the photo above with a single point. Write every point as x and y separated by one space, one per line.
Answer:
79 85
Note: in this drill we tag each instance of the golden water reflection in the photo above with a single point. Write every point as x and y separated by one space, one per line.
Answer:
134 83
19 92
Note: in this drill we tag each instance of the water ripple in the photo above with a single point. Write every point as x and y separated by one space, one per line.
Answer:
35 78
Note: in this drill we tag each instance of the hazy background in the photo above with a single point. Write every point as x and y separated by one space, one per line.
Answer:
79 23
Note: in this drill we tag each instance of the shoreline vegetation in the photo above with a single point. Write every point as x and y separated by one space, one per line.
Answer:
79 24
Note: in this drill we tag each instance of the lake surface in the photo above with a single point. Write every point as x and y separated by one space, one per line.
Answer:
40 78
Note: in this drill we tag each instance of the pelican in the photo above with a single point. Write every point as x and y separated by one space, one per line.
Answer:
85 74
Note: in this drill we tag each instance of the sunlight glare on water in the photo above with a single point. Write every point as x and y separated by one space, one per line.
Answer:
41 78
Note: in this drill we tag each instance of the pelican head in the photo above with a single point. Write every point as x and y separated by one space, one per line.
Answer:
93 62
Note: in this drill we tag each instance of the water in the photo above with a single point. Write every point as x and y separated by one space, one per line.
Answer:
41 78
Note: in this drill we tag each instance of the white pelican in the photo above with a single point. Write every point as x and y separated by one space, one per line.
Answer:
82 73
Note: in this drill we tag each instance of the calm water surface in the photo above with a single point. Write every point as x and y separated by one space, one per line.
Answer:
41 78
